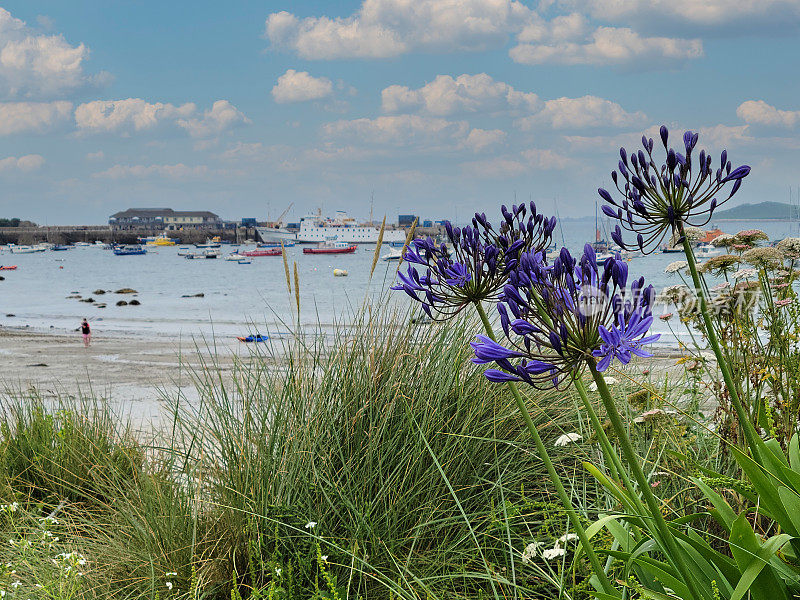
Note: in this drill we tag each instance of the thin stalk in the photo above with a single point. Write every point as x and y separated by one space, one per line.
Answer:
614 464
673 552
753 440
551 471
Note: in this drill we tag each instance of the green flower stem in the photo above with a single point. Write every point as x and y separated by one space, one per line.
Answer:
612 460
670 546
608 588
750 434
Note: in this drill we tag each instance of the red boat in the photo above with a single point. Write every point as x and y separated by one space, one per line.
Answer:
263 252
8 268
332 248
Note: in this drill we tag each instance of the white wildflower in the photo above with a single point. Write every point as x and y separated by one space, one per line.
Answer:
311 525
278 571
568 537
676 266
169 585
745 273
553 553
568 438
531 551
609 381
720 286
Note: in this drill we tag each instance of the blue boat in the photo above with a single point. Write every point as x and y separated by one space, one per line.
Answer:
129 250
60 248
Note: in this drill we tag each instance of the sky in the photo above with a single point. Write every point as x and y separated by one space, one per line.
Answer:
431 107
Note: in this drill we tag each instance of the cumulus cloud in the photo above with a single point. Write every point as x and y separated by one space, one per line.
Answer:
222 116
758 112
706 14
447 95
577 113
36 117
34 65
603 46
480 139
300 86
385 28
136 115
26 163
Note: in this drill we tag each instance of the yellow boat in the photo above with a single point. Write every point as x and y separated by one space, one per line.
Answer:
161 240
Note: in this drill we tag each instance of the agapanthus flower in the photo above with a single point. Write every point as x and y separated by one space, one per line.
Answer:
557 318
476 263
656 200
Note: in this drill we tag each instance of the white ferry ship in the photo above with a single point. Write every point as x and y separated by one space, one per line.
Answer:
340 228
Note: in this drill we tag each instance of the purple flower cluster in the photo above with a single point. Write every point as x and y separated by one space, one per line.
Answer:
476 263
558 317
661 200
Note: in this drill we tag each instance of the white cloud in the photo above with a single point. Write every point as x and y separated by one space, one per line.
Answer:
176 171
222 116
28 162
708 13
111 116
385 28
605 46
400 130
18 117
504 166
577 113
99 155
300 86
136 115
480 139
758 112
35 65
446 95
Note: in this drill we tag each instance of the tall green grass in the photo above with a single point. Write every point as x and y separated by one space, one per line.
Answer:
419 475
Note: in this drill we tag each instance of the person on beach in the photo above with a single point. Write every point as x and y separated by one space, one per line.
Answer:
86 332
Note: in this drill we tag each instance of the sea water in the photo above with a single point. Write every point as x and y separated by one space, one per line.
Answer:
237 299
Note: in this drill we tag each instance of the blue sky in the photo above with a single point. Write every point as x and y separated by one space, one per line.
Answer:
437 107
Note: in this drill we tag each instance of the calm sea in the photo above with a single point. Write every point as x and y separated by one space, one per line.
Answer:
237 299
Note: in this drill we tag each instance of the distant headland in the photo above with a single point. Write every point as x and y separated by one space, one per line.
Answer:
761 211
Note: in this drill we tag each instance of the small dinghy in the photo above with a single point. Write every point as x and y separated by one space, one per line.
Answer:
253 338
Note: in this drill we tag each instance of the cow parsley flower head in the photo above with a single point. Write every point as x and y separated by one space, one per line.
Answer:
558 317
476 263
656 200
790 247
676 266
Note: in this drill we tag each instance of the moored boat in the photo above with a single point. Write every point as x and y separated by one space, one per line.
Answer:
129 250
8 267
263 252
25 249
331 248
207 253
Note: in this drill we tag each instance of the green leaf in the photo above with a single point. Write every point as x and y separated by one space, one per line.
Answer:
724 510
753 560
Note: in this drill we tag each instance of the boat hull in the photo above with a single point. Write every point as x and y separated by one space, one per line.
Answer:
347 250
263 252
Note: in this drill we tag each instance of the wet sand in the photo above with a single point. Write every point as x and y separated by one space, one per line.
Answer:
133 372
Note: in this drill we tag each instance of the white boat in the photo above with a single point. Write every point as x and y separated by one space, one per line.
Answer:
209 253
395 254
82 244
707 251
235 257
15 249
341 228
99 243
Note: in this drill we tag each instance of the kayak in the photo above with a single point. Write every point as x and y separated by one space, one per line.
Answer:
253 338
8 268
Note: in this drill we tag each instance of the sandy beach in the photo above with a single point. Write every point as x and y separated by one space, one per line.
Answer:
133 372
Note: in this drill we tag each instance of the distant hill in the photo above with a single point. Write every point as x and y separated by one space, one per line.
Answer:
762 211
